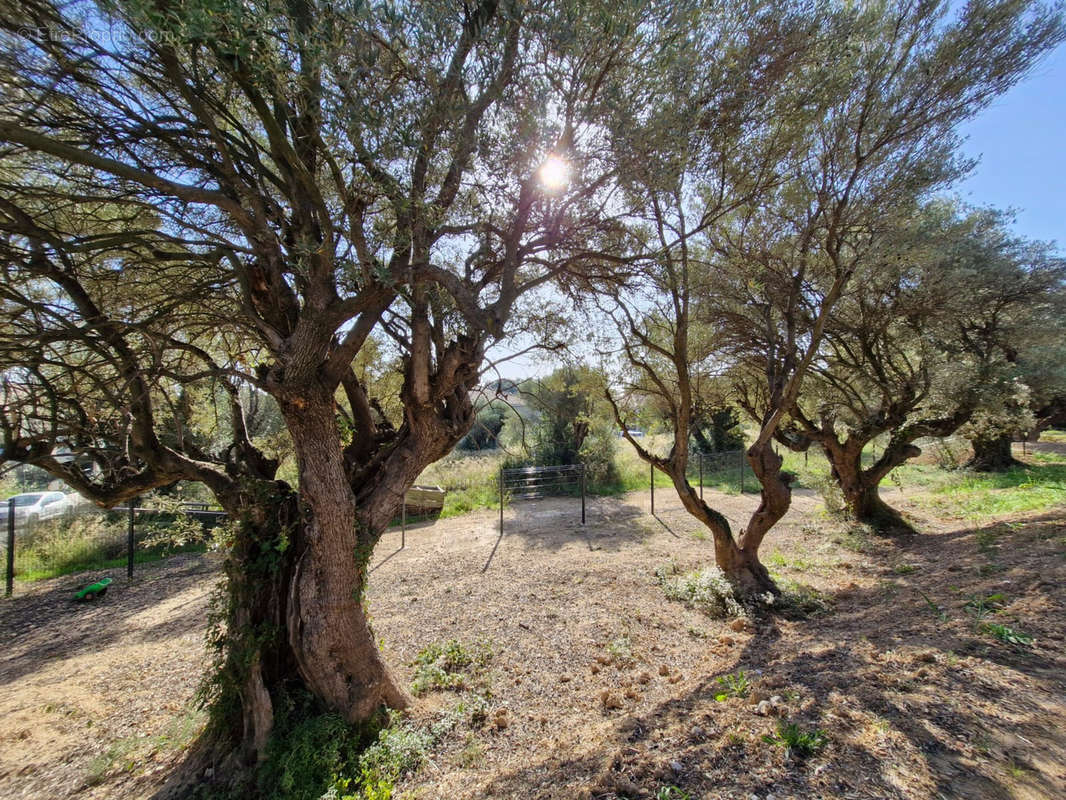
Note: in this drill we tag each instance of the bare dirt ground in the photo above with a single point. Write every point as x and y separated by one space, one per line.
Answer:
599 686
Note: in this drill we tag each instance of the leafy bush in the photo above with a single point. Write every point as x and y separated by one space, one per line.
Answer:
486 429
832 496
598 454
314 755
69 544
311 752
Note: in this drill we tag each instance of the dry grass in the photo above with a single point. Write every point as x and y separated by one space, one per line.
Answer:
601 686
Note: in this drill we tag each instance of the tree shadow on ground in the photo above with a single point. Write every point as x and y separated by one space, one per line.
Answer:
914 699
553 524
46 625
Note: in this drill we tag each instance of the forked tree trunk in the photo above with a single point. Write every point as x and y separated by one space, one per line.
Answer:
296 577
860 487
775 500
992 454
738 558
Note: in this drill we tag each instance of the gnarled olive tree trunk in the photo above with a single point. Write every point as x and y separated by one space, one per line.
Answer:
297 572
992 453
860 486
738 557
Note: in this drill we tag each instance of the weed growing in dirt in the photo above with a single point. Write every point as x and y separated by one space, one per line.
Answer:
856 537
120 756
795 740
472 753
620 651
126 754
832 495
988 540
981 607
1006 634
672 793
937 610
399 749
446 666
735 685
704 589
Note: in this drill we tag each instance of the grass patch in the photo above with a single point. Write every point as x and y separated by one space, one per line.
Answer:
1033 487
94 541
855 536
448 666
781 561
126 755
798 599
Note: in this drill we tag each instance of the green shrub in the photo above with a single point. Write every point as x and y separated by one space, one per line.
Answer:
316 755
832 495
705 589
311 752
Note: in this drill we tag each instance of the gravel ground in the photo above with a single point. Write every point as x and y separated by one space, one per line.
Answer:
599 686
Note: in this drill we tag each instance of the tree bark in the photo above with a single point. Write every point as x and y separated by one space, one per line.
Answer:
992 454
331 640
775 500
861 486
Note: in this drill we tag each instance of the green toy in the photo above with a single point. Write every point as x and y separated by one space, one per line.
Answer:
93 590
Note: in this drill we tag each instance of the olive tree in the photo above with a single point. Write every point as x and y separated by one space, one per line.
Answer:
755 220
204 193
924 344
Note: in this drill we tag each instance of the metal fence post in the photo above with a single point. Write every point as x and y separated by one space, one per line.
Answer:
582 494
651 470
699 458
10 546
501 501
403 522
129 540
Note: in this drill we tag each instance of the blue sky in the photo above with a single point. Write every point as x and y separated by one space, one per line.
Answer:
1021 141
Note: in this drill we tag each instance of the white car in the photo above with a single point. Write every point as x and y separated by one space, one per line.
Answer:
32 507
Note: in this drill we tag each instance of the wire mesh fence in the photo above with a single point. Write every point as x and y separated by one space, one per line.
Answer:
726 470
530 483
80 539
